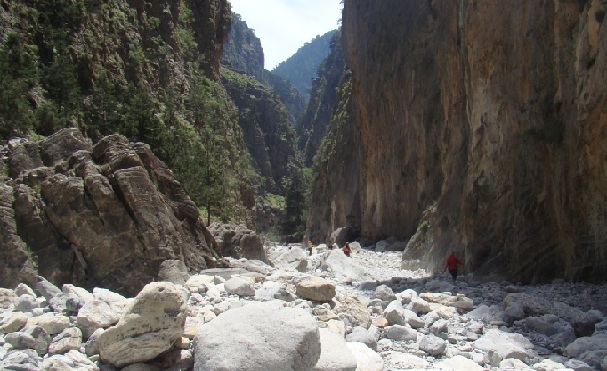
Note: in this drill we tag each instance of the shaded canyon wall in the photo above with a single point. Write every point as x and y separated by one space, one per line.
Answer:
487 118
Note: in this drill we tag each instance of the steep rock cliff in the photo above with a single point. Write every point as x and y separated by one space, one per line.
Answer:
243 53
489 119
105 215
268 133
323 97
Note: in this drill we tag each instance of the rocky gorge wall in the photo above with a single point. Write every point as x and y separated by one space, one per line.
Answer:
479 127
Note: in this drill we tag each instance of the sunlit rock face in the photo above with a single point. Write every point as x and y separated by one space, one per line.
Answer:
487 118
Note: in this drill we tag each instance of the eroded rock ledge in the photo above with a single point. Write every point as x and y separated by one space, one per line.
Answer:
99 215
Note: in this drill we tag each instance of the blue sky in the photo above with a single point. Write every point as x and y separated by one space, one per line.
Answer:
283 26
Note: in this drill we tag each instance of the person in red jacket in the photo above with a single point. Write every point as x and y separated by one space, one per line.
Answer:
347 250
451 265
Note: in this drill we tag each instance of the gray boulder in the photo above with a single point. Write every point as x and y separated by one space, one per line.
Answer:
260 336
238 242
289 258
342 267
150 326
239 286
361 335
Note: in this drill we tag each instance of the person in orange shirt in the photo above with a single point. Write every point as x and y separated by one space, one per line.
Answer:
451 265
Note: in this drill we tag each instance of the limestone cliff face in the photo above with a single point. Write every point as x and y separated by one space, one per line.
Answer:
489 119
323 96
267 131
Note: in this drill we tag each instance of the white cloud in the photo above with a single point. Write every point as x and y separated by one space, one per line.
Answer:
283 26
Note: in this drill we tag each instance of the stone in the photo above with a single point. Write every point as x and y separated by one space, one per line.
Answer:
96 314
356 308
334 355
150 326
25 303
23 289
239 286
14 322
42 338
338 327
289 259
458 363
514 364
460 302
407 361
22 360
75 291
6 298
401 333
68 339
91 347
419 306
20 340
505 345
560 331
315 289
50 322
198 279
366 358
360 334
384 293
173 270
584 344
342 267
266 335
433 345
395 313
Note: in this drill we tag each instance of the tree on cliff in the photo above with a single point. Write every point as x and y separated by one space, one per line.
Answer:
295 199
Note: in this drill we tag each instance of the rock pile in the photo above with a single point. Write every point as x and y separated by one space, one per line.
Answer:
258 317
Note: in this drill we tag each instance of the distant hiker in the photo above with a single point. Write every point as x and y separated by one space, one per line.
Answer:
347 250
310 248
451 265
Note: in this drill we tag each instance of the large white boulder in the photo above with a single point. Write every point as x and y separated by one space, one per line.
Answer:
504 345
149 327
259 336
334 354
342 267
366 358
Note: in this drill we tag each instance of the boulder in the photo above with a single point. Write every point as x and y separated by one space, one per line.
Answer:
96 314
458 363
504 345
334 354
50 322
356 308
174 271
401 333
130 211
289 258
315 289
238 242
342 267
151 324
239 286
433 345
266 335
459 301
384 293
69 339
360 334
366 359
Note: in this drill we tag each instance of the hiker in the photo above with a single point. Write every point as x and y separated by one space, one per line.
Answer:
451 264
310 248
347 250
